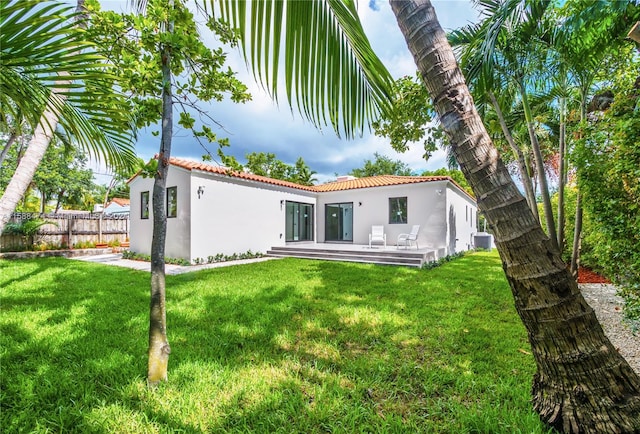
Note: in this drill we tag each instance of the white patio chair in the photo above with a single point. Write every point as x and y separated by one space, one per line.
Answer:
407 239
377 235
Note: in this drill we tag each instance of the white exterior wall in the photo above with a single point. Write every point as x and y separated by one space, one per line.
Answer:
234 215
140 231
425 207
178 243
462 215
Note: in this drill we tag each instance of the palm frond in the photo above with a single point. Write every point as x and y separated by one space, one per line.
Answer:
47 64
331 74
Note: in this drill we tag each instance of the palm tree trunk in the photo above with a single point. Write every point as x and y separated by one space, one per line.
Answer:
582 384
159 348
575 253
537 154
521 162
10 141
562 179
28 164
577 227
35 152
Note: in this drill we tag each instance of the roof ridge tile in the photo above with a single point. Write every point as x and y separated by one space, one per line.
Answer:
350 184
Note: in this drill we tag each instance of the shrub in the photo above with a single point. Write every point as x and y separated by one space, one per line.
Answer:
443 260
608 162
127 254
84 245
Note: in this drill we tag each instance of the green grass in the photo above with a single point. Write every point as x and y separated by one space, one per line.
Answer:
279 346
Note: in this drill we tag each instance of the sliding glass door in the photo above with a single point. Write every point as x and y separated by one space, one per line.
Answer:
299 222
338 219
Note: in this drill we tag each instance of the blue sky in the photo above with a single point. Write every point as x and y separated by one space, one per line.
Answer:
262 126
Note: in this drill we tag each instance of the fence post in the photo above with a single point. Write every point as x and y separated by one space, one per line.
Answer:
70 221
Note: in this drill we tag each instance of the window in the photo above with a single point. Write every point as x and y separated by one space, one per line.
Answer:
397 210
144 205
172 202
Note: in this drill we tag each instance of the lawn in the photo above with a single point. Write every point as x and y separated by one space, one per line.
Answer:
291 346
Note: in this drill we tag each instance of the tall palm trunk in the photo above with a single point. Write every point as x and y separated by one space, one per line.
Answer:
159 348
28 164
520 160
562 178
36 149
575 251
582 384
10 141
577 227
537 155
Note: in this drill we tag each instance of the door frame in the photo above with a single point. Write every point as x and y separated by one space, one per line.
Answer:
341 226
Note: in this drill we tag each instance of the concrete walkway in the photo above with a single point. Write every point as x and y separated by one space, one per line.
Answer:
116 259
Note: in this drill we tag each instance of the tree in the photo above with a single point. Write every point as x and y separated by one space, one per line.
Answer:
614 240
170 45
302 174
382 165
454 174
410 118
62 176
579 52
164 63
582 384
502 52
52 77
267 164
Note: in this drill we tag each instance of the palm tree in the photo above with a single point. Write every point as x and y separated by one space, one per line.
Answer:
582 383
577 52
53 79
503 48
484 80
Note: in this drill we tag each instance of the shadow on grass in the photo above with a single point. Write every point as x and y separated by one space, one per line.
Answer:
296 346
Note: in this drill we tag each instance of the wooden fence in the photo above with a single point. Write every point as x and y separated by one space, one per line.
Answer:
69 230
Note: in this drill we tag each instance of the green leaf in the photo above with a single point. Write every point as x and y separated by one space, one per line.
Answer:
330 70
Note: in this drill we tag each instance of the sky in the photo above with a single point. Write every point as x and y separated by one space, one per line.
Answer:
262 126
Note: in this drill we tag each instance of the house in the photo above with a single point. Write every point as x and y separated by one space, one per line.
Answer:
211 210
117 205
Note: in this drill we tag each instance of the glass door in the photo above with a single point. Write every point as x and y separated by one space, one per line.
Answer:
338 219
299 222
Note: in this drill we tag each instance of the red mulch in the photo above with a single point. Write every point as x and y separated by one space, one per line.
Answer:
587 276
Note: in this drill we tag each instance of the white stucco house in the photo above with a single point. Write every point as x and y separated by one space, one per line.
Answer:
211 210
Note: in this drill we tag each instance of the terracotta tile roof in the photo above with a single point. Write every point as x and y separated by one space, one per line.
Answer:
121 201
196 165
377 181
350 184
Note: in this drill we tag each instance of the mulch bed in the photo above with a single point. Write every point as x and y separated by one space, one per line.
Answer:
588 276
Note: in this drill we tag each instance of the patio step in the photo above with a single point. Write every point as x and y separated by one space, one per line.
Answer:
371 256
